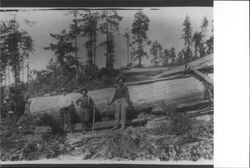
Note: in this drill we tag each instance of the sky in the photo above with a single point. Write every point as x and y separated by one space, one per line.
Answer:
165 26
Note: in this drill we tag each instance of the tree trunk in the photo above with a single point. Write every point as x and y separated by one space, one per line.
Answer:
128 63
94 51
77 66
16 56
107 46
22 70
28 71
5 76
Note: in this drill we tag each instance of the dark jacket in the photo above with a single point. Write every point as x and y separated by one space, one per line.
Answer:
86 102
121 92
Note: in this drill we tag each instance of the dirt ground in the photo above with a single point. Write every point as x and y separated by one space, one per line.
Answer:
191 140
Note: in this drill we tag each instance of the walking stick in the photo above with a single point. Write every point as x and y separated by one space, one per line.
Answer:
93 123
107 110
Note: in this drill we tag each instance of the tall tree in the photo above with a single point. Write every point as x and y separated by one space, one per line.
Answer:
187 37
4 31
210 42
132 57
89 29
73 34
12 41
156 51
127 35
204 30
165 57
27 47
139 29
29 42
110 24
180 57
172 55
17 44
63 48
197 37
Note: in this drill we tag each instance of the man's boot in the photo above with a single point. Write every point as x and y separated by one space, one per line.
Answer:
114 128
122 128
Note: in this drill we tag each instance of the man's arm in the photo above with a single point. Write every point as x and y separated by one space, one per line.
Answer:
77 101
68 101
114 97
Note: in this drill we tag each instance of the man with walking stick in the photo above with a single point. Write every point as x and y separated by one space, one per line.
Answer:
87 106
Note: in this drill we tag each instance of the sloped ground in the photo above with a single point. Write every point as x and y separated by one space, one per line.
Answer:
189 140
151 144
20 141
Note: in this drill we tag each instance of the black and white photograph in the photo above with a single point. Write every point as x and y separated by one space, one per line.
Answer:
108 85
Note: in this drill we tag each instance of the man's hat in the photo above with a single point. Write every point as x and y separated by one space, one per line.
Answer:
123 79
84 89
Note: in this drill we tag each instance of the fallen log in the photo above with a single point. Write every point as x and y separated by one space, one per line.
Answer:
192 106
143 96
109 124
208 112
172 86
202 77
206 80
199 64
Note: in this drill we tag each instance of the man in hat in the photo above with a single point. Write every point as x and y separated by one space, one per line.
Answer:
87 105
65 103
122 99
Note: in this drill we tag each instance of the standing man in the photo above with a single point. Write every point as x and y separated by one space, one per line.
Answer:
86 107
65 104
122 99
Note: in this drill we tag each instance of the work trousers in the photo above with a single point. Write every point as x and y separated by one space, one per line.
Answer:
120 114
66 119
84 117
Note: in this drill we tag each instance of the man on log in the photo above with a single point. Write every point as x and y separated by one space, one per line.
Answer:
87 106
65 104
122 99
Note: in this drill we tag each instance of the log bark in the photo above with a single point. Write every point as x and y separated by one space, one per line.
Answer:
143 97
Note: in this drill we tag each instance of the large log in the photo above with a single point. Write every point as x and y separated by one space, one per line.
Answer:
201 63
143 96
172 86
206 80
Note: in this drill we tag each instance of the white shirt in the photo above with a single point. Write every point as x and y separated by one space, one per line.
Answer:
65 101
